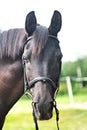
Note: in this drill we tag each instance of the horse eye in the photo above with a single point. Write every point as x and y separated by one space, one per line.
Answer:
27 46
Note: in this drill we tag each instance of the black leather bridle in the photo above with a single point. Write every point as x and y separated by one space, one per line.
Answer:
28 86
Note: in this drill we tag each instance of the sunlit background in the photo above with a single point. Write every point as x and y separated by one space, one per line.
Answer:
73 35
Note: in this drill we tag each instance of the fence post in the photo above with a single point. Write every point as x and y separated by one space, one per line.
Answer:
79 75
69 87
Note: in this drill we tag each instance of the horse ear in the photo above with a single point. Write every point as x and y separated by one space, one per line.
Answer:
56 23
30 23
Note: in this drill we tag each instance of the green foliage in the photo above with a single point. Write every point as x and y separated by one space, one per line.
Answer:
63 89
76 88
70 68
82 63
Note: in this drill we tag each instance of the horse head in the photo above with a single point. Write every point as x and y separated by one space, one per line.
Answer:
42 63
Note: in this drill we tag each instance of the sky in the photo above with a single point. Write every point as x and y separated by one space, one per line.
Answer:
73 34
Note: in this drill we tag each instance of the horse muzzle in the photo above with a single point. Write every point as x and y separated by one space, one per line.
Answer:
43 111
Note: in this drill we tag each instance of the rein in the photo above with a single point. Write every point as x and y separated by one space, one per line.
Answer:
57 116
28 86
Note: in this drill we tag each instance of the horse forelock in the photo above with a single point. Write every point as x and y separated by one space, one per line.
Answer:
40 39
12 43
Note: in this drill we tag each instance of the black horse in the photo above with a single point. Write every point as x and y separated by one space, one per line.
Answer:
30 56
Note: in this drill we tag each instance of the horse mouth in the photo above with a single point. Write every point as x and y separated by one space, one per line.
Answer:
42 113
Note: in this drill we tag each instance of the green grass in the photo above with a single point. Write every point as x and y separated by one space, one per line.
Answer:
70 119
20 116
79 98
73 119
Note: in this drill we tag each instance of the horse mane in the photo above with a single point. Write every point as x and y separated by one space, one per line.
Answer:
12 43
40 39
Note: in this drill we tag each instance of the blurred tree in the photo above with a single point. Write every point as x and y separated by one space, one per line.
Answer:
70 68
82 63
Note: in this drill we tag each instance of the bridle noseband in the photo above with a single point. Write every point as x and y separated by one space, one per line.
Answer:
42 79
29 85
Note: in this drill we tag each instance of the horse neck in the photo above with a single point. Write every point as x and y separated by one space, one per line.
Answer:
11 82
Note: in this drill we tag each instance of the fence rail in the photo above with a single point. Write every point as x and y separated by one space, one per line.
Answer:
76 79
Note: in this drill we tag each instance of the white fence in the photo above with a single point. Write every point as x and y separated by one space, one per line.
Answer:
68 80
